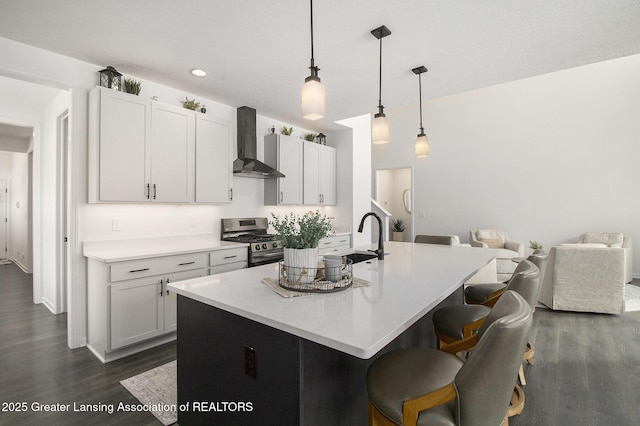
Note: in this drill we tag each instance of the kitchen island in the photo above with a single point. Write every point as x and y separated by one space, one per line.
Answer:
259 358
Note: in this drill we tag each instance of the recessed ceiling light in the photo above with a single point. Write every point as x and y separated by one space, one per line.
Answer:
198 73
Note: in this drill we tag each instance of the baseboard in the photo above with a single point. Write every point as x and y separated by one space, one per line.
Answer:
105 357
48 304
20 265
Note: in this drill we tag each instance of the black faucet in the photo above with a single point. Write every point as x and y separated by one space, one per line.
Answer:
380 251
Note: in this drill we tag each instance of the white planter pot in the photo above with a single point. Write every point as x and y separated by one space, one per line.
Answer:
297 261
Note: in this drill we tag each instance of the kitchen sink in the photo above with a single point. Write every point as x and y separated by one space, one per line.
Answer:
361 256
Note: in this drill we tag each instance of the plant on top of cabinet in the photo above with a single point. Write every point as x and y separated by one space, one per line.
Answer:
131 85
300 236
309 136
286 131
190 104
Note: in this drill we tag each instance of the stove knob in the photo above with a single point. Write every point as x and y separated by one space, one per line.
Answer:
264 246
257 246
275 245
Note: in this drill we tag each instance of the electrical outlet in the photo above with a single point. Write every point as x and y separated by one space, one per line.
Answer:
115 225
250 362
193 222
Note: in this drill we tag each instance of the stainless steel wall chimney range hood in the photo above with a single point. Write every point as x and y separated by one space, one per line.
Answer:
246 165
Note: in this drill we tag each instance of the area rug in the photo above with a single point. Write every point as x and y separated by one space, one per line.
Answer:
157 390
631 298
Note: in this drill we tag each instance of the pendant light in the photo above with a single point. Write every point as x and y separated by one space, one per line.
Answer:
380 123
422 142
313 93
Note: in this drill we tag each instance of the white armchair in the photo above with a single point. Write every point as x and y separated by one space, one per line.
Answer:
507 249
584 278
616 240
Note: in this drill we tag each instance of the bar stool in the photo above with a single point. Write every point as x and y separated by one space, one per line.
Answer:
455 323
487 294
425 386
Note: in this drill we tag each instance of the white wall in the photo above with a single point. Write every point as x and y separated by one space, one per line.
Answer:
545 158
354 174
20 242
6 161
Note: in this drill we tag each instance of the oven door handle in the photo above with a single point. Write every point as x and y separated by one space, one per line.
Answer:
279 254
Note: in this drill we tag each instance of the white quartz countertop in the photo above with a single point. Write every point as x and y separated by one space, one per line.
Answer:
142 248
410 281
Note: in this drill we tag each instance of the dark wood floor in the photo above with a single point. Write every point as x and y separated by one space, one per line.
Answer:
37 366
586 372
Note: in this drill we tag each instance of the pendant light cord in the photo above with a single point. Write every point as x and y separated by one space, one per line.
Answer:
312 60
420 87
380 79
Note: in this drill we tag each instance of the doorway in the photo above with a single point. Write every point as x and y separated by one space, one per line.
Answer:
394 191
62 185
4 219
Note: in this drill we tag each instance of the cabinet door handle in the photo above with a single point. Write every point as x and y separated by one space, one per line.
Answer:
185 263
161 290
139 270
147 192
230 257
154 191
281 196
167 288
231 194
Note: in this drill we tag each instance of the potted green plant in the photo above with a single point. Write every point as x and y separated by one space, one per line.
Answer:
286 131
190 104
131 85
397 229
309 137
534 245
300 235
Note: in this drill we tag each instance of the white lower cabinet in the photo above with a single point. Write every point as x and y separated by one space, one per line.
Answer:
130 305
145 308
136 311
334 243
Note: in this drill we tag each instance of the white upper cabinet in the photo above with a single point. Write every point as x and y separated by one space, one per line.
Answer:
285 153
172 154
145 151
213 160
119 135
319 174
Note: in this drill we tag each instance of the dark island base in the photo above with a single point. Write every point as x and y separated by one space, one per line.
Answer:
297 382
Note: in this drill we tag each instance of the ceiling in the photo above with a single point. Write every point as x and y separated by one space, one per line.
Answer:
257 52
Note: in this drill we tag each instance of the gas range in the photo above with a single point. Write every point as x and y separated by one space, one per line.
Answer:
263 247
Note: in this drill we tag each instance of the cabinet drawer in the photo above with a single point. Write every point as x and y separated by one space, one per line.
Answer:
335 240
227 267
221 257
157 266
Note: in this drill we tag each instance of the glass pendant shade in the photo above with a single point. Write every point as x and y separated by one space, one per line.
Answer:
313 99
422 145
379 130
